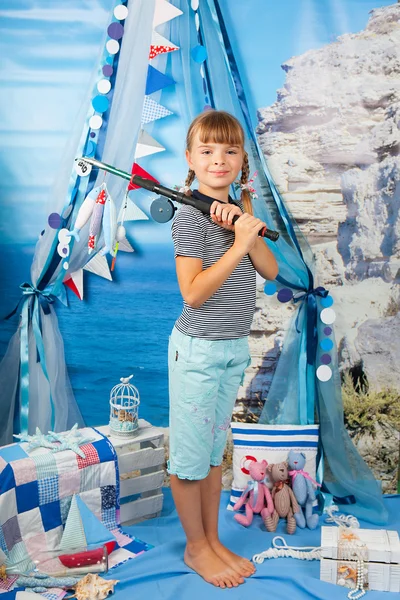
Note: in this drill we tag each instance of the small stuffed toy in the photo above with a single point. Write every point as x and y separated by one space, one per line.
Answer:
283 497
256 497
302 485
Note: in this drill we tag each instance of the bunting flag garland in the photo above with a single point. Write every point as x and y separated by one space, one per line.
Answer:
98 265
160 45
54 274
74 282
147 145
153 111
164 12
156 81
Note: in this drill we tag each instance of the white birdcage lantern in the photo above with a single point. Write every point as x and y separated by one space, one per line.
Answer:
124 408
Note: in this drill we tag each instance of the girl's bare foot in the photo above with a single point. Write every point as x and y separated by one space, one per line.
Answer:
238 563
201 558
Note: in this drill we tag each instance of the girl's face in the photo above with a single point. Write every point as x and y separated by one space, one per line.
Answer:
216 166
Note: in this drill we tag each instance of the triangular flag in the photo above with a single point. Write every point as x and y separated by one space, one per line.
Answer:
146 145
131 213
124 246
137 170
164 12
99 266
160 45
156 81
74 282
153 111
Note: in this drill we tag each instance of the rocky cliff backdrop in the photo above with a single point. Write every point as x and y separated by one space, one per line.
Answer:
332 142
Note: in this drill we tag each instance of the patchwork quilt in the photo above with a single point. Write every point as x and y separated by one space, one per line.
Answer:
36 491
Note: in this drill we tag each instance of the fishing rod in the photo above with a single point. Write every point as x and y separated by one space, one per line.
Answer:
160 210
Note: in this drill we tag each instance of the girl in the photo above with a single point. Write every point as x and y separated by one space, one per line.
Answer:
216 265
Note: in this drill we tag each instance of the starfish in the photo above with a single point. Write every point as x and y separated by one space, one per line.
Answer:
349 536
39 440
70 440
351 572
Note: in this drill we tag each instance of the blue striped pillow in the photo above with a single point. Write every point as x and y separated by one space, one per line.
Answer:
272 443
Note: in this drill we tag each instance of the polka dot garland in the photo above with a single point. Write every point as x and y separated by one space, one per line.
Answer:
199 55
115 31
327 316
100 102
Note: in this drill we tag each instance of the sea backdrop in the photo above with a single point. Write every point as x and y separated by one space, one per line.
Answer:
120 328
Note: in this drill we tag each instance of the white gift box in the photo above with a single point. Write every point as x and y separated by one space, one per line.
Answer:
343 547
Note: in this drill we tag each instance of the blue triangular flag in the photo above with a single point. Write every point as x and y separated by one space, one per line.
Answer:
156 81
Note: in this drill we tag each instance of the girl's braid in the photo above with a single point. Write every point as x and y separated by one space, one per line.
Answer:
245 169
190 178
245 196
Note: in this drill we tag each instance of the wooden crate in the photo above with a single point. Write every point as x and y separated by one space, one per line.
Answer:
141 472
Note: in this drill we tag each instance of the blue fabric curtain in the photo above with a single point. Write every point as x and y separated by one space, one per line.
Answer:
296 396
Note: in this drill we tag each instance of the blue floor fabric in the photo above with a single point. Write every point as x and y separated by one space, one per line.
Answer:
161 574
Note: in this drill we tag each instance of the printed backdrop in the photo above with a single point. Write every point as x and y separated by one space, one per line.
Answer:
325 100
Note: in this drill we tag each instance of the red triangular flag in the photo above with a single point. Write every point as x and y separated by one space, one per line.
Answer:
137 170
156 50
75 283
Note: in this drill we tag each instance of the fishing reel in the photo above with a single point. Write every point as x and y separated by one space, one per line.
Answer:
162 209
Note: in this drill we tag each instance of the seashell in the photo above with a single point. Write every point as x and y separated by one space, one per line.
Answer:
93 587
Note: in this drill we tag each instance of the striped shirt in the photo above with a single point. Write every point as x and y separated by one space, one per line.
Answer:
228 313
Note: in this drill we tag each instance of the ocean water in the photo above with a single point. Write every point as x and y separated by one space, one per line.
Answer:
120 328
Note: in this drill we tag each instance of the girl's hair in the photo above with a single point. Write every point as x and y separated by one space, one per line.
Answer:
220 127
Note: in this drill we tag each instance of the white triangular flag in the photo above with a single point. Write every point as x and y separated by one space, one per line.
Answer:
131 213
99 266
124 246
160 45
159 40
164 12
147 145
152 110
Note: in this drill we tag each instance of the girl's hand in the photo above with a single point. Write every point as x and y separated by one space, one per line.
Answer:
246 232
222 214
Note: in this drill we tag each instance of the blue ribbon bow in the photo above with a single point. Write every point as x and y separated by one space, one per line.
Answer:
45 297
310 297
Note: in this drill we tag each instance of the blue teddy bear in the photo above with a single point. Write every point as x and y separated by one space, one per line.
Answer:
302 485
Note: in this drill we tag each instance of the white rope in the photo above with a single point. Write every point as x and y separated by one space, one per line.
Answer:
284 551
345 520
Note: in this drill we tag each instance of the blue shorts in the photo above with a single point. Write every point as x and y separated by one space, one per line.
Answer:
204 378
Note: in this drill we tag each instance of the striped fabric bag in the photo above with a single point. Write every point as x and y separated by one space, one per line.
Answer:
271 443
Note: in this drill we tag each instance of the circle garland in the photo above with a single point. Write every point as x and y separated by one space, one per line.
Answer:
100 103
327 316
199 55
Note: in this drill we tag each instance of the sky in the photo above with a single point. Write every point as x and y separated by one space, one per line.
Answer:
46 68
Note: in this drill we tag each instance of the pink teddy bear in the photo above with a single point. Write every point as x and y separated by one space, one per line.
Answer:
256 497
